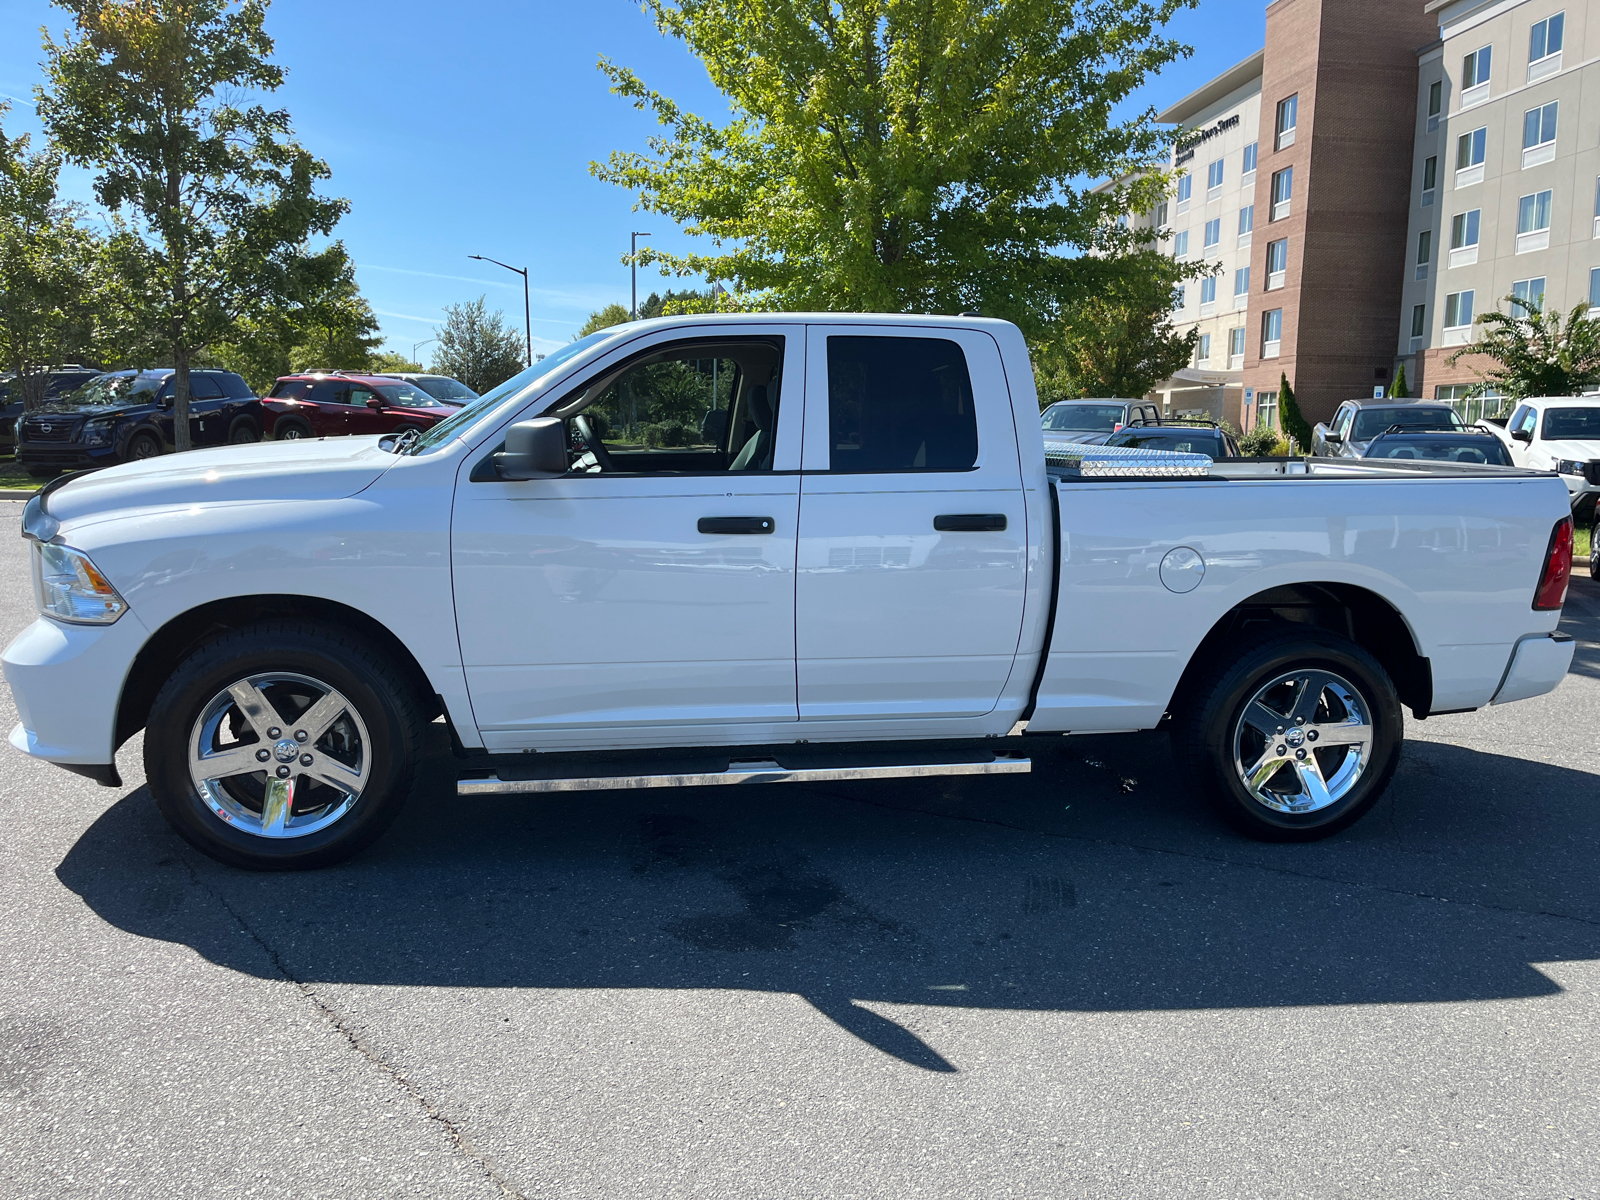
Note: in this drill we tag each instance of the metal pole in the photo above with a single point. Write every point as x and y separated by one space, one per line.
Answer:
527 315
633 263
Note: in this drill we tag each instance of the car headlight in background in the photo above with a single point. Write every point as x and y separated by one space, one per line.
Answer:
98 433
69 587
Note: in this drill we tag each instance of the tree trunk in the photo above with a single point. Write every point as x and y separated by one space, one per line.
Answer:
180 397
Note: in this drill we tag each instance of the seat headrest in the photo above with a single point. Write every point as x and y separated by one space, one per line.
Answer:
760 408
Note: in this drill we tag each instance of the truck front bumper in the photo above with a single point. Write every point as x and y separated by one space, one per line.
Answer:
67 681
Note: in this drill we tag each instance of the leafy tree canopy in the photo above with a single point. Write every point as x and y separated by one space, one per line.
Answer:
604 318
893 156
388 361
1535 352
1293 420
478 347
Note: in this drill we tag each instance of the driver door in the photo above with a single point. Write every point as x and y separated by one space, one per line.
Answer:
652 587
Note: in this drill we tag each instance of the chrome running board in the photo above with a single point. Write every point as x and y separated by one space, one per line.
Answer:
761 771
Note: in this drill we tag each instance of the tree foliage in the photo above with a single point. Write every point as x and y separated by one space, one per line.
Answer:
153 96
1117 340
478 347
900 156
603 318
389 362
1292 419
1535 352
1400 389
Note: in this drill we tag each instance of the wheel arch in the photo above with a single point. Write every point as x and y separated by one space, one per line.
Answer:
1349 610
187 631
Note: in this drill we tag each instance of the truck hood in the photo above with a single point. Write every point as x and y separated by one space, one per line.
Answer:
310 469
1579 451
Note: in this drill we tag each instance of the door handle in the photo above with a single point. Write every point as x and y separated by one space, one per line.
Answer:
971 523
737 525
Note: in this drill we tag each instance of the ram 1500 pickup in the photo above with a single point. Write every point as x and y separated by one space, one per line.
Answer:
748 549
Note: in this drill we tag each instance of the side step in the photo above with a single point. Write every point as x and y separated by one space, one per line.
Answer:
809 769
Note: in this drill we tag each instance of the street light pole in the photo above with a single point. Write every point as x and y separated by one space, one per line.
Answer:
633 261
527 312
417 346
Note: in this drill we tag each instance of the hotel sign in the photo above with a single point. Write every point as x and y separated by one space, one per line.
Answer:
1189 145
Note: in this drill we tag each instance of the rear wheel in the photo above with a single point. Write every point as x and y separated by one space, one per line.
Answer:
1295 739
143 446
1594 552
282 746
243 432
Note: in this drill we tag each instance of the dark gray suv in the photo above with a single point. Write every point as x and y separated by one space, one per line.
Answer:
1359 421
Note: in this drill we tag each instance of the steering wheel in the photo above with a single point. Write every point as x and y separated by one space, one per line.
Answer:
602 456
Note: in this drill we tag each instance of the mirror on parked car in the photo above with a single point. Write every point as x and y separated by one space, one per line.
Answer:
1522 435
535 449
375 403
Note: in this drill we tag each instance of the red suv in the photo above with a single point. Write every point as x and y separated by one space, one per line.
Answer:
332 404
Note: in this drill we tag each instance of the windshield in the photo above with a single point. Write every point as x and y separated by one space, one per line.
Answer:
442 387
1183 441
1480 450
517 384
1373 421
405 395
111 389
1084 418
1572 425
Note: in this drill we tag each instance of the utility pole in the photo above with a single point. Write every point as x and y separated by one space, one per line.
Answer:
633 261
527 312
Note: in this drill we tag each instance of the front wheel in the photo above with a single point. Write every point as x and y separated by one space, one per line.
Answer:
1295 739
1594 552
282 746
143 446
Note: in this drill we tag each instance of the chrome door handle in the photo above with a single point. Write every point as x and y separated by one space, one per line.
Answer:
737 525
971 523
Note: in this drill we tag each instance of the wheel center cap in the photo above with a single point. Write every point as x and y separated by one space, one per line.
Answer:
286 750
1295 738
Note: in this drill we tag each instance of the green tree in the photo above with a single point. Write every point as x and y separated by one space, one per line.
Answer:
152 95
674 303
49 264
478 347
389 362
1290 417
1117 340
1537 353
892 156
604 318
1400 389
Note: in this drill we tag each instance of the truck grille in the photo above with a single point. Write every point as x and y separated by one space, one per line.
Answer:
38 429
1591 471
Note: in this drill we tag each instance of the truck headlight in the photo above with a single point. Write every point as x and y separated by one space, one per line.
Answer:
70 588
98 433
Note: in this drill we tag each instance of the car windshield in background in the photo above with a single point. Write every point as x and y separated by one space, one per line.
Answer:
111 389
1181 441
1371 422
1084 418
442 387
1481 450
405 395
1572 425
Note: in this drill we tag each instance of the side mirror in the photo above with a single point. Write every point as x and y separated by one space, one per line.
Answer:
535 449
1332 438
375 404
1522 435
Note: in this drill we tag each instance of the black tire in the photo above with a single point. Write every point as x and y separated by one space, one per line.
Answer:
142 446
1594 552
1210 738
43 472
385 703
243 432
290 430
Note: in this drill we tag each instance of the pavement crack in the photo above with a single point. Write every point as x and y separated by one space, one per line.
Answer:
454 1134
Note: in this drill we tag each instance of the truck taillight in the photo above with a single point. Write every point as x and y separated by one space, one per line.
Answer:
1552 593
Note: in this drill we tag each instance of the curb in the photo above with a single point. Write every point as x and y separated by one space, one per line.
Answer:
18 493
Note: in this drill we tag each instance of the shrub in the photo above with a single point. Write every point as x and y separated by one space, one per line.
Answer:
1261 442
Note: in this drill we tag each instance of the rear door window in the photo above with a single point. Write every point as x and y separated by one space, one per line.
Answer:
899 404
204 387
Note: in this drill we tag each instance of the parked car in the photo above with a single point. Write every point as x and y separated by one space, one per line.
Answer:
62 380
1560 434
1359 421
440 387
333 405
126 416
1402 443
1080 421
1183 437
935 588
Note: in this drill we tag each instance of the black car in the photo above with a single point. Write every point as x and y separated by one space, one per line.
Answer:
62 380
1443 445
123 416
1196 437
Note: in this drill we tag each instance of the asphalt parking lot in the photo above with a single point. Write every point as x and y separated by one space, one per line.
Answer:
1077 984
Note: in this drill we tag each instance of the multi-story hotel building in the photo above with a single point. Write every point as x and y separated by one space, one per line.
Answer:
1371 172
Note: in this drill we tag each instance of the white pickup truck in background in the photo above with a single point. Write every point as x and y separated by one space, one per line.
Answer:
1560 434
744 549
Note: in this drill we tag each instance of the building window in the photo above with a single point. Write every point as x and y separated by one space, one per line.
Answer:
1464 238
1288 118
1539 135
1533 222
1594 291
1247 220
1271 333
1419 323
1250 159
1241 282
1277 263
1470 148
1208 294
1180 297
1185 190
1214 178
1435 103
1531 293
1282 192
1424 252
1203 351
1235 347
1430 180
1161 215
1544 47
1180 244
1458 318
1213 234
1266 410
1597 208
1475 77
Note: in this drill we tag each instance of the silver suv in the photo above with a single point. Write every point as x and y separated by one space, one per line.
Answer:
1359 421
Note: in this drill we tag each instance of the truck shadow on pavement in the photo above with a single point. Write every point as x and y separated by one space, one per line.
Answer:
1095 885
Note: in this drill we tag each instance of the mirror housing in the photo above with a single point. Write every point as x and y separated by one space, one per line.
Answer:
1522 435
375 404
535 449
1333 438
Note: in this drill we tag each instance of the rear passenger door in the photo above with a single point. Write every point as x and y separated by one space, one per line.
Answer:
208 424
913 542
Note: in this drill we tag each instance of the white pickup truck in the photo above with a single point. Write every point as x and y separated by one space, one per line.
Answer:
1560 434
749 549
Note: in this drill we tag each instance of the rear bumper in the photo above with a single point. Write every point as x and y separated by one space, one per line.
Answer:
67 682
1538 664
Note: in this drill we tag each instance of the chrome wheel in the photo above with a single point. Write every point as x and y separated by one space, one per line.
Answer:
1303 742
279 755
292 434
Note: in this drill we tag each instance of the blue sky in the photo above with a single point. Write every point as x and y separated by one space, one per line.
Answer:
467 128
